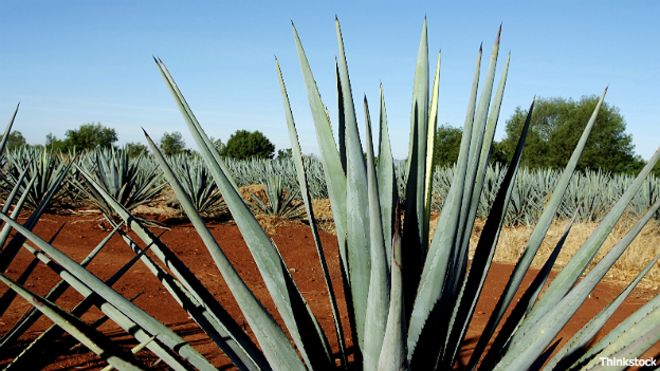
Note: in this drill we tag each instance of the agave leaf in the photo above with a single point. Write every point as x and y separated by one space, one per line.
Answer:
33 314
565 280
307 200
379 284
623 329
12 194
414 240
472 194
118 317
393 355
67 342
214 311
287 298
485 250
83 281
425 312
535 240
198 128
275 345
357 200
430 145
632 342
227 335
386 179
635 347
6 229
523 305
572 349
341 119
8 297
92 339
525 346
9 252
35 356
335 175
5 136
488 135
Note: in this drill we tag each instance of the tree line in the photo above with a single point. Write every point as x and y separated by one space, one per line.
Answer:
557 124
242 144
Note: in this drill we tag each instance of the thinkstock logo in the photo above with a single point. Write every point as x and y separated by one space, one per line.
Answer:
628 362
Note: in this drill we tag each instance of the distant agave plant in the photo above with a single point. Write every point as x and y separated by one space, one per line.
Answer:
132 181
410 295
279 201
198 184
42 165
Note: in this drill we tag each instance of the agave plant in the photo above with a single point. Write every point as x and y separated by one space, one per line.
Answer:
46 167
410 295
199 185
133 181
279 201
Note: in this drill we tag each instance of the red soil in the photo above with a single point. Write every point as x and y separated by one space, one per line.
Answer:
81 234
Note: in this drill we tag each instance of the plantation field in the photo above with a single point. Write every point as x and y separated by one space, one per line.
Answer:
341 260
294 241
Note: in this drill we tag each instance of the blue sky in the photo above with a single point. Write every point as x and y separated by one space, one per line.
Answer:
71 62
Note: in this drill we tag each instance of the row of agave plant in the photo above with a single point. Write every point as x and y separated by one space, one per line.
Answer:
411 296
135 180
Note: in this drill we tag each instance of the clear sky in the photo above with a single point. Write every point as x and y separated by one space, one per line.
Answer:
71 62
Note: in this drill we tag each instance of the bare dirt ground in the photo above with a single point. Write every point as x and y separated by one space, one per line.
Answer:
81 233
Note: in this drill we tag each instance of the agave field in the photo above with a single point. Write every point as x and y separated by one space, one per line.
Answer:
398 283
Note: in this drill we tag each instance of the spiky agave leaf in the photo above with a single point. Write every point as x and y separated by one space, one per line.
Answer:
307 201
192 287
439 256
535 240
536 334
357 236
574 348
273 340
95 341
379 280
5 135
33 315
123 312
302 325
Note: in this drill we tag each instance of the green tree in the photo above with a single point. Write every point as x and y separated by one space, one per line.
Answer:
447 145
15 140
218 144
90 136
284 153
55 144
172 143
135 149
557 124
245 144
